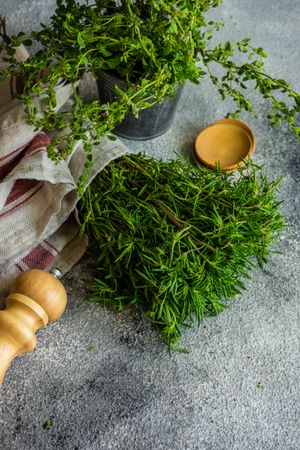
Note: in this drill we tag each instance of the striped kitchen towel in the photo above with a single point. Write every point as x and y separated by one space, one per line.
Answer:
38 218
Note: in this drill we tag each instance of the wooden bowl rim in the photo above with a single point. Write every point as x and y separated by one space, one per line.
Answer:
247 130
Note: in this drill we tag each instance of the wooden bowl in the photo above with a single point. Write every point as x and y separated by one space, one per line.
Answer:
226 144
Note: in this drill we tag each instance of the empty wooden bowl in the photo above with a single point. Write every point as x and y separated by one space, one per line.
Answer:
226 143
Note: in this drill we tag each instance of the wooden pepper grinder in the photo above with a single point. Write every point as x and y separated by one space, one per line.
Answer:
37 298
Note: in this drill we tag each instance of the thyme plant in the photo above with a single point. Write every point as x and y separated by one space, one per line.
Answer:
155 46
177 241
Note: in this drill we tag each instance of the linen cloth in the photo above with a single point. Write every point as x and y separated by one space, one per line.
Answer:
39 226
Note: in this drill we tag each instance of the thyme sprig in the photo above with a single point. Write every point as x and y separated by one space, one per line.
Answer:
177 241
155 46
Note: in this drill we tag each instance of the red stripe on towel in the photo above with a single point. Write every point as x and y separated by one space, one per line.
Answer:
9 211
38 258
40 141
19 149
51 245
19 189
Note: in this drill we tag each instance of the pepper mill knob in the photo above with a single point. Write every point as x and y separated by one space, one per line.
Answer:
36 298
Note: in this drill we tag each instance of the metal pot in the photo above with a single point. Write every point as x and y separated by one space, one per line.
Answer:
152 122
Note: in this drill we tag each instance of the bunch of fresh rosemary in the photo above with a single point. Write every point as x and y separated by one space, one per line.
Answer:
175 240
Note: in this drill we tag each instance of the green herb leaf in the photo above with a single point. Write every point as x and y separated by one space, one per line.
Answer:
47 425
80 40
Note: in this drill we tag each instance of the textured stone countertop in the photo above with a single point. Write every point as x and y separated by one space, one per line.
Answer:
239 387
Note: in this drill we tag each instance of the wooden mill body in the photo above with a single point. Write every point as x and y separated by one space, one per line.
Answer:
36 299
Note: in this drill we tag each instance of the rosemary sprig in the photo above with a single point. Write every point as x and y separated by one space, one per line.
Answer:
175 240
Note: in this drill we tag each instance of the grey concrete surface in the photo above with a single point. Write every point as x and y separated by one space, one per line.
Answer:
239 387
